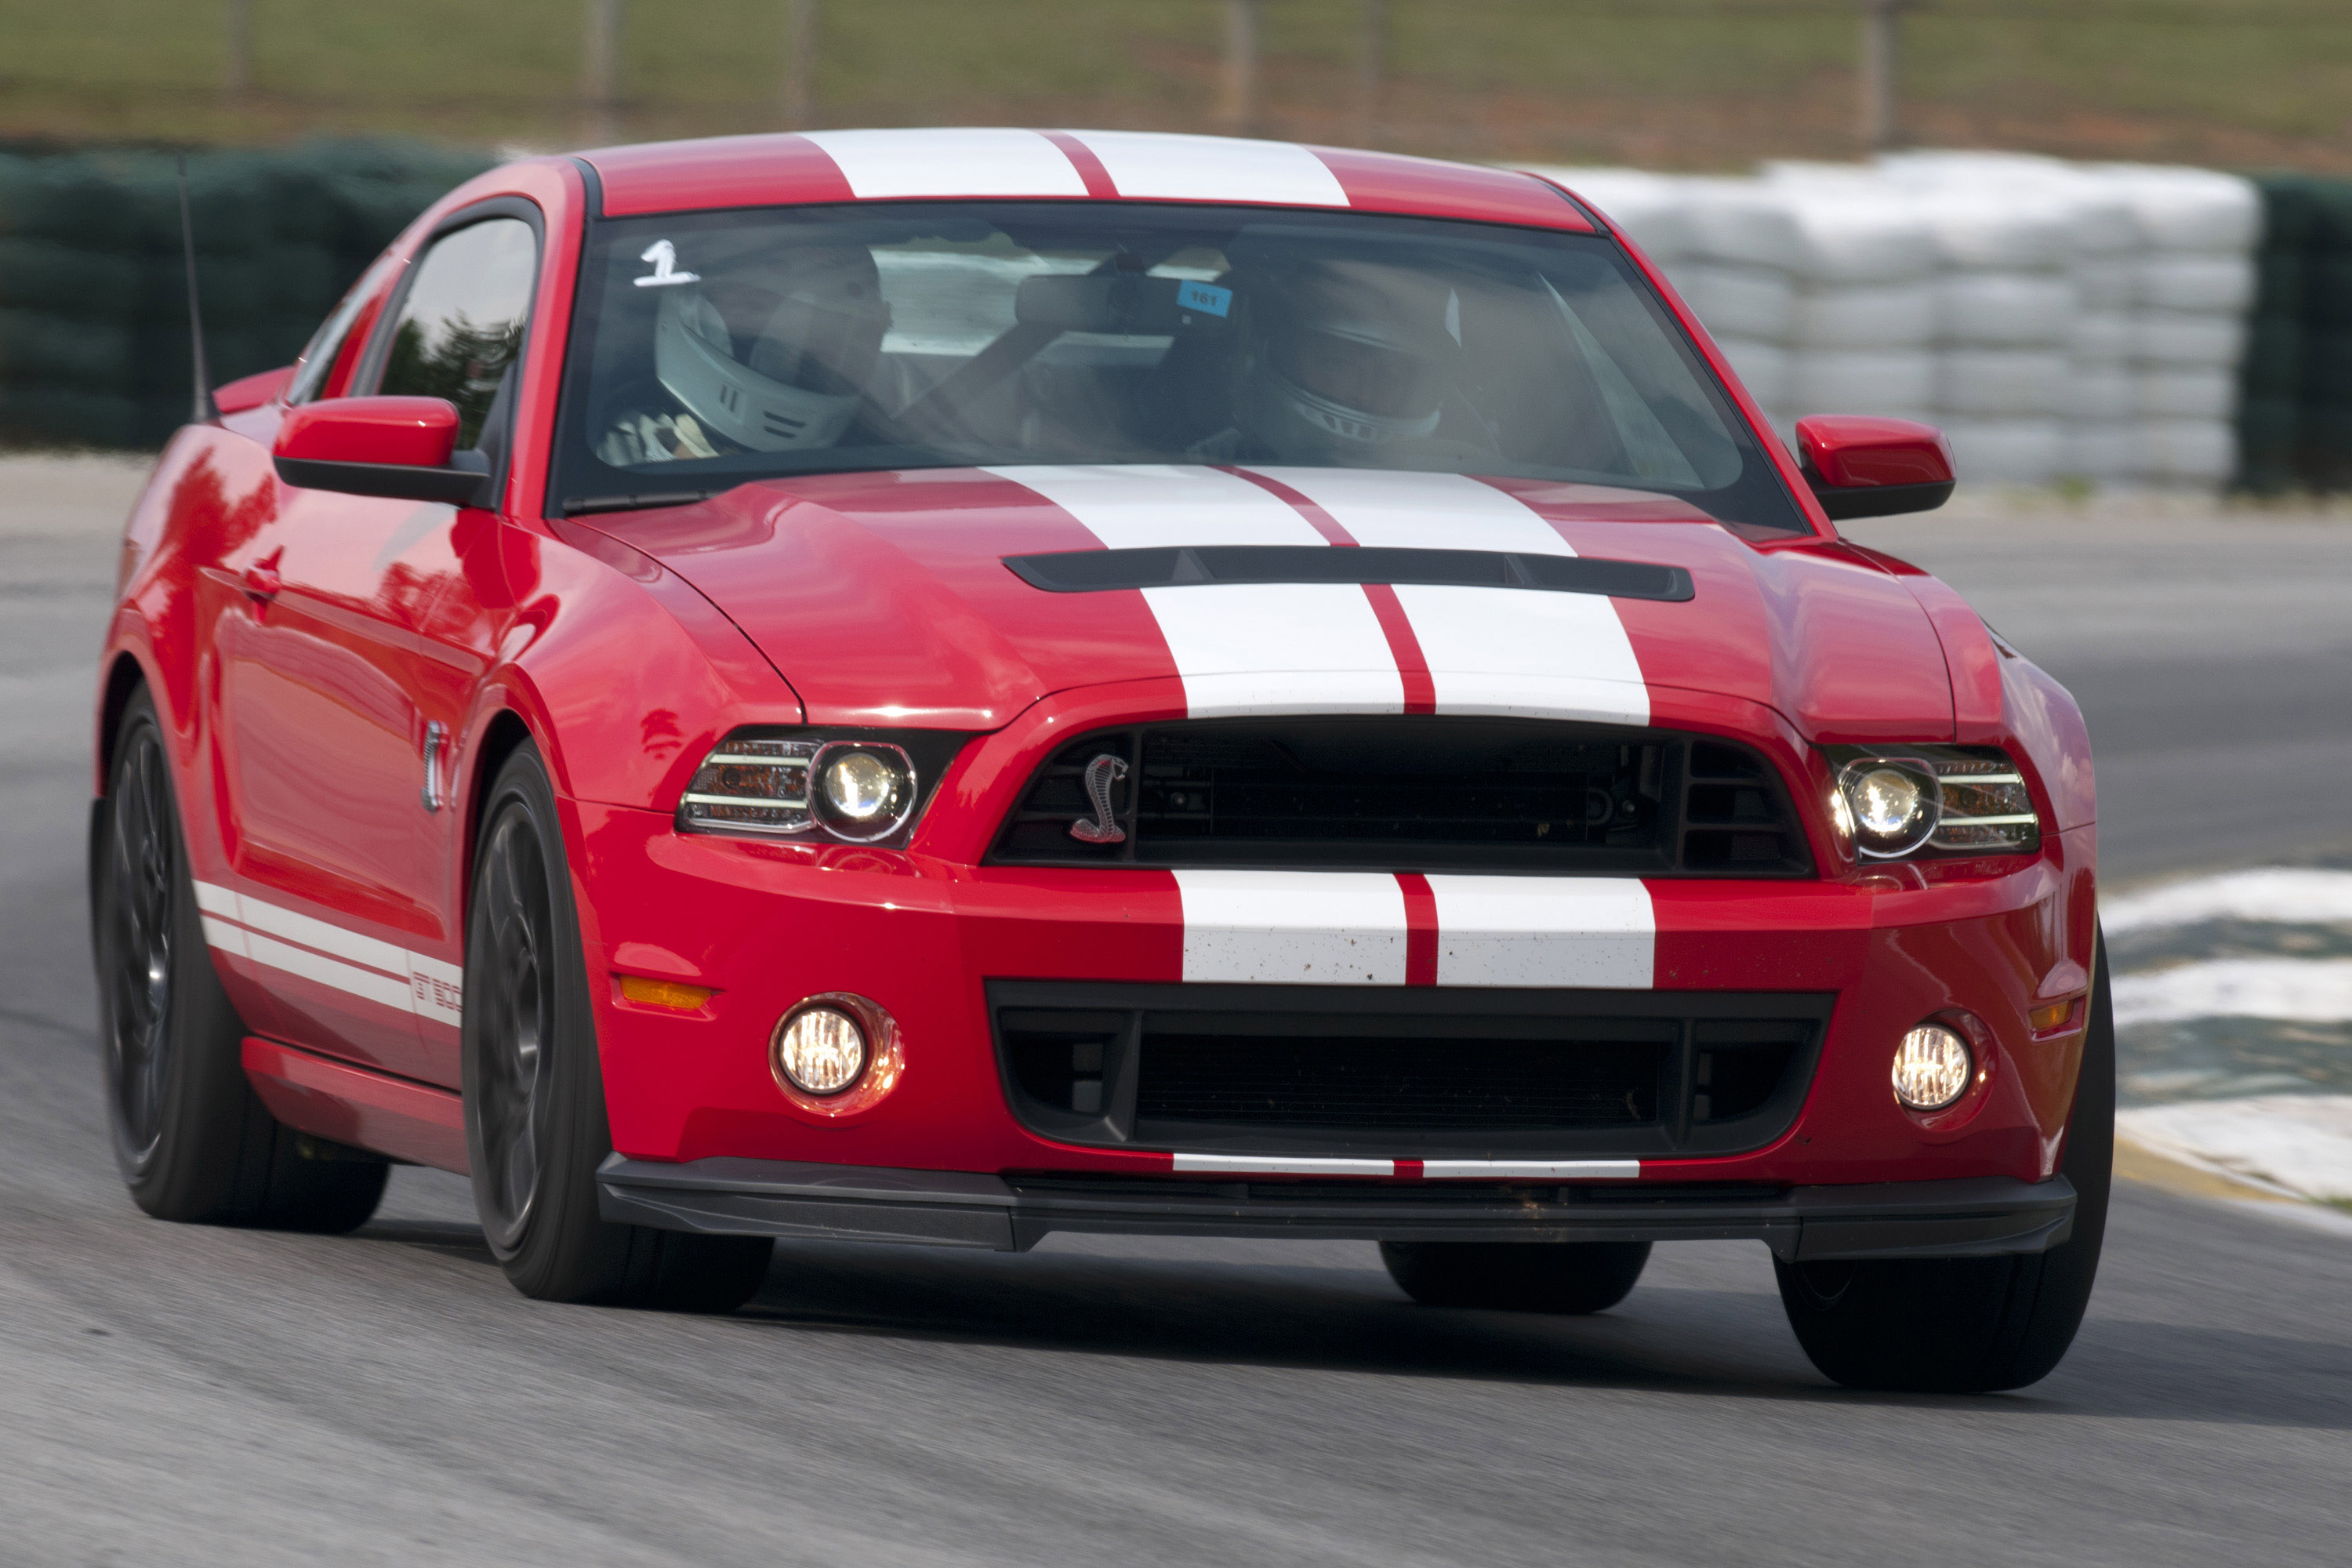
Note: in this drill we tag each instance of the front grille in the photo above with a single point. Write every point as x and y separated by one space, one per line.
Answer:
1417 1073
1409 793
1366 1081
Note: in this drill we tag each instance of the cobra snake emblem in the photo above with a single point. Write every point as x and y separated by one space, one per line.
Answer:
1101 774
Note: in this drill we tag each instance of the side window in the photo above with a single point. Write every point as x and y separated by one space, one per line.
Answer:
325 368
460 326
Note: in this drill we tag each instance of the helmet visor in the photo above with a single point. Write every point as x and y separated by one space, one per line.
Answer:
1376 379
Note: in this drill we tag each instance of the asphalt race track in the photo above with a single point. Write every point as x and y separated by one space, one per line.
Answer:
191 1395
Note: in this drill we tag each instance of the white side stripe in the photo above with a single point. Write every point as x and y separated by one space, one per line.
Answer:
1160 166
349 978
348 962
1532 1169
1283 1165
1293 928
1597 932
992 162
1383 507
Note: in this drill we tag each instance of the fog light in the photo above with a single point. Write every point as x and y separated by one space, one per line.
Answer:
1932 1067
819 1049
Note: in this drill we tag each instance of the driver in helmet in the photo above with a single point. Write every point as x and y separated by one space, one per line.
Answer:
1345 362
740 366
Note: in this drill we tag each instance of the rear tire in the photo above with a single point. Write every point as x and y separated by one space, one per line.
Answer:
1564 1277
536 1128
1972 1325
193 1141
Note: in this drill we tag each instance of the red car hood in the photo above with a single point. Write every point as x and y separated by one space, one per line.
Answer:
884 598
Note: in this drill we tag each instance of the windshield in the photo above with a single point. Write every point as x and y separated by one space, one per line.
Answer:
718 347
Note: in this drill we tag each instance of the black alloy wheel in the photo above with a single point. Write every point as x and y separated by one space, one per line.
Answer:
1560 1276
518 1006
191 1139
536 1127
1973 1325
141 877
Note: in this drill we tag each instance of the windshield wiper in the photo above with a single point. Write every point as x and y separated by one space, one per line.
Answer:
574 505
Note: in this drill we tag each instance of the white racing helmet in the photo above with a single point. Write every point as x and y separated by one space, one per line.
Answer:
1348 358
799 385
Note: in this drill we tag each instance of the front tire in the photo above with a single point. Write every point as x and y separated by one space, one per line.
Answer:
1562 1276
193 1141
1972 1325
535 1122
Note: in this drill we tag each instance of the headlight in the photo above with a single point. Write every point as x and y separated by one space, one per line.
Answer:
864 790
1946 800
853 788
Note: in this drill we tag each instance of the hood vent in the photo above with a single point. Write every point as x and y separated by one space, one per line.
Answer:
1097 571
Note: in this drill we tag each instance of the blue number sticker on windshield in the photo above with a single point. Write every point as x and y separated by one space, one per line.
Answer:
1205 298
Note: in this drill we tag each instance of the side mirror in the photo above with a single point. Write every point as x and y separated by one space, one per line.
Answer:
1860 466
401 447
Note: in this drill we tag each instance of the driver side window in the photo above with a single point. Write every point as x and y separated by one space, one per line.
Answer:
461 327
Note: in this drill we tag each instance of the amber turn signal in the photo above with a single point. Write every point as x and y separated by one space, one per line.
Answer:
2049 1016
667 993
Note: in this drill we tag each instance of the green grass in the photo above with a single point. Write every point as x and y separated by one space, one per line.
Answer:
1691 83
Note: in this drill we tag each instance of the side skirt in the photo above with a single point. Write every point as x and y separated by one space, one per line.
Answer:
329 1098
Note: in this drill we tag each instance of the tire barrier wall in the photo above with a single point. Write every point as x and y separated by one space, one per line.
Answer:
93 291
2060 321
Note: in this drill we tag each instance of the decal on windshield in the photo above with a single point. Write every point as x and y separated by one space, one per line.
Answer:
1205 298
664 255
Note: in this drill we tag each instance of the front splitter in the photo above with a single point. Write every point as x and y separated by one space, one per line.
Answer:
1973 1218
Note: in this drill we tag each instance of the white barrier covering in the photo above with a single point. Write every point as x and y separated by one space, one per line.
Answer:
2057 319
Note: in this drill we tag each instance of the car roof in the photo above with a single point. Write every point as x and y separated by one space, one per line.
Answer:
1077 165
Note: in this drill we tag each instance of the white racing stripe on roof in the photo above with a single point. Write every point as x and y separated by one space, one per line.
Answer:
2295 989
2280 893
1531 1169
1293 928
1597 932
1422 511
1162 166
330 955
986 162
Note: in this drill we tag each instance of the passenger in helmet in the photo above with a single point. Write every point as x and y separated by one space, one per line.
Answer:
1345 362
740 366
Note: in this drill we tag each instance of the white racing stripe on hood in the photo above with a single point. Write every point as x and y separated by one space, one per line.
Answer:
986 163
1597 932
1152 505
1178 168
1526 653
1240 648
1293 928
1489 650
1421 512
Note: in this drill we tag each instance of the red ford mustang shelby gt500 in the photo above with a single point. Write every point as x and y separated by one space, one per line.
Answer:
943 685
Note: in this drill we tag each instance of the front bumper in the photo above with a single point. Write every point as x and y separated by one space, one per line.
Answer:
1973 1218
